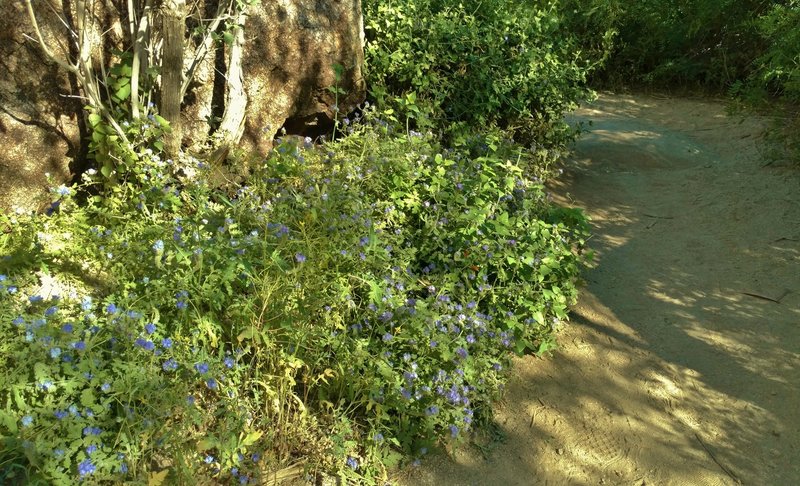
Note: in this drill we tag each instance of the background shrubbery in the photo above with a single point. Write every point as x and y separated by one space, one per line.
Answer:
453 65
696 43
747 49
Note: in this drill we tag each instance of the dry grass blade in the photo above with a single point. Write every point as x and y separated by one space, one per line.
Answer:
282 476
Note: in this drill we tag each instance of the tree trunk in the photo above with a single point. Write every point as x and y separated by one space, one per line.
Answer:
172 72
140 35
231 127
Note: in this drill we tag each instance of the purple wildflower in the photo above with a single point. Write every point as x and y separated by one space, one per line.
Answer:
453 431
86 467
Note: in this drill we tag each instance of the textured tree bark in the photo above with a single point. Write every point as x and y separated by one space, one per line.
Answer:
174 25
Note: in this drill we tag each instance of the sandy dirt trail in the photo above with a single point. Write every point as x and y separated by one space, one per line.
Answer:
676 368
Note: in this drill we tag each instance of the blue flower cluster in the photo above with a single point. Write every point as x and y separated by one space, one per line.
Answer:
85 353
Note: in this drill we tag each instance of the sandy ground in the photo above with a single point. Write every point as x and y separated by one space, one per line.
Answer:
676 368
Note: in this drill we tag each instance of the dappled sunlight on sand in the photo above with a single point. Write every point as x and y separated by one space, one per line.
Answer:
677 368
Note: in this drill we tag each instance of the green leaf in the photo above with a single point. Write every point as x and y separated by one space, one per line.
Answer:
251 333
41 371
87 397
8 422
157 478
251 438
123 93
206 444
375 292
162 121
546 346
392 458
94 119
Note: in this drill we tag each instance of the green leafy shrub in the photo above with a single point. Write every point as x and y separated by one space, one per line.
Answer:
697 43
777 69
748 49
437 63
351 305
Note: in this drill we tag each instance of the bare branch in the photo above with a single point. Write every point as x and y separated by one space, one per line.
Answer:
131 19
83 69
63 64
231 127
139 61
232 124
205 46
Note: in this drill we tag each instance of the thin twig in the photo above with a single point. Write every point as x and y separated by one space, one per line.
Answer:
771 299
204 46
43 44
131 20
79 97
82 69
711 454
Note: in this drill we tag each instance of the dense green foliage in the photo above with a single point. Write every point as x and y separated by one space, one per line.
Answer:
449 64
350 305
353 305
777 68
749 49
694 42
